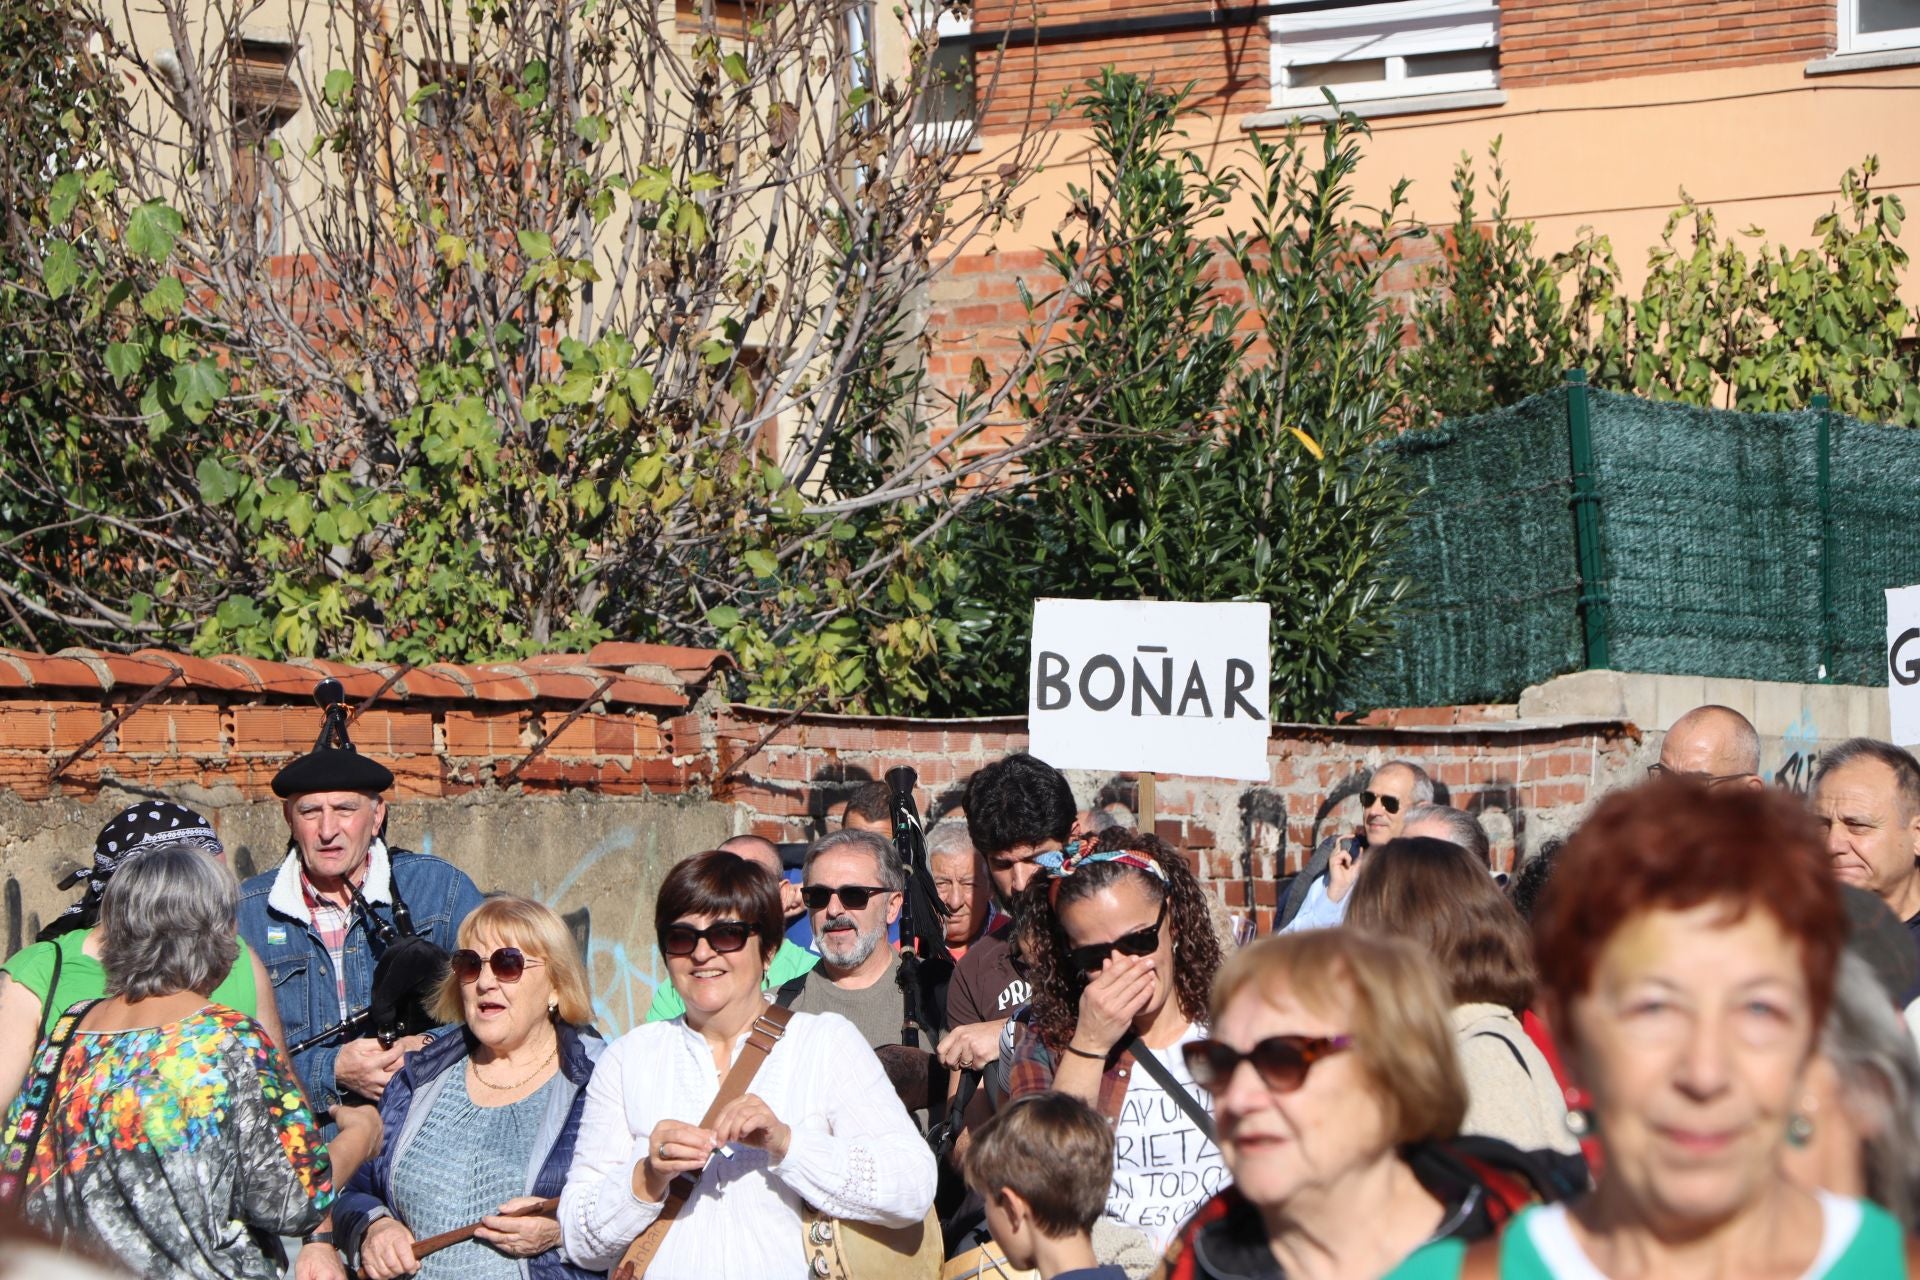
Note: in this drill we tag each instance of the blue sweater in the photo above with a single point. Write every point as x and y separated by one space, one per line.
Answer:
369 1195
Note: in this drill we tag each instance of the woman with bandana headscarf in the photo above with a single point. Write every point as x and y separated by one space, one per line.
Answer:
1123 952
40 982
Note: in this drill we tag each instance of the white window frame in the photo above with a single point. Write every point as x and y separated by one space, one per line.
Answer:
1390 32
957 133
1852 40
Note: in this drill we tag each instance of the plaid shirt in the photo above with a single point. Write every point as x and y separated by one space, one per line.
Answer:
332 922
1031 1067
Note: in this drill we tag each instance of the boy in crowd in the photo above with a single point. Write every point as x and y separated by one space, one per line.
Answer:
1043 1166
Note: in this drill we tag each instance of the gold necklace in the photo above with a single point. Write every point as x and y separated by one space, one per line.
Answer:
509 1088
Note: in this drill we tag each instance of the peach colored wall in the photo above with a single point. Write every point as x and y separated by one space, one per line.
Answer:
1762 145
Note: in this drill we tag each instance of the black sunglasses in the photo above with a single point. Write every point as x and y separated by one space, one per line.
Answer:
1091 958
724 936
1390 803
854 896
1281 1062
508 963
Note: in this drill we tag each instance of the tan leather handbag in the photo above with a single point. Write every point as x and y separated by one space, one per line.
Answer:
839 1250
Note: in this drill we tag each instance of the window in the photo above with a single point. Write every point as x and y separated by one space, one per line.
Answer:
1869 25
265 98
948 110
1398 49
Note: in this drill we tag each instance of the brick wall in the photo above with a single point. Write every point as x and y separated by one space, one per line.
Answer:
1561 41
1228 67
658 728
975 315
1527 781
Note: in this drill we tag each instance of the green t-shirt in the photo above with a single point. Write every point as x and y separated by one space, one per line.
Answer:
1860 1241
82 978
789 962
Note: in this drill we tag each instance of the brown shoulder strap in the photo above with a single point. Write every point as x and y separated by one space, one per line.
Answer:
1482 1260
766 1032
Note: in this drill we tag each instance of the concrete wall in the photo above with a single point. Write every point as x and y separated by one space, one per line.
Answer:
1796 721
597 860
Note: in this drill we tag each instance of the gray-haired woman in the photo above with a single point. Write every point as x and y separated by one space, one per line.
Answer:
1860 1135
171 1132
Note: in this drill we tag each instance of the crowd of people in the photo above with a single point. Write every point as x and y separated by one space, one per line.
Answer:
1680 1042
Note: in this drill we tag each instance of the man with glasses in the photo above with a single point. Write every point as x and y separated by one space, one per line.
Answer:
1317 898
1713 746
853 886
789 962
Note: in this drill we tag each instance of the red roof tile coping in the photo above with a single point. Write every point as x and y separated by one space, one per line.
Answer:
692 665
563 678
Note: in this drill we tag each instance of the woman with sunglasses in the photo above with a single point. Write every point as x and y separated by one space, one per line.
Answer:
817 1124
1123 952
1337 1095
1688 944
481 1126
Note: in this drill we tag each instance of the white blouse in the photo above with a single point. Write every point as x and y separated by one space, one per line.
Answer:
855 1152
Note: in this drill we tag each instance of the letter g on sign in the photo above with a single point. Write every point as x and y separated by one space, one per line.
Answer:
1907 671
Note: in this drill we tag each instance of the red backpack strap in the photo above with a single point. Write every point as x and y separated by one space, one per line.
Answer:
1507 1193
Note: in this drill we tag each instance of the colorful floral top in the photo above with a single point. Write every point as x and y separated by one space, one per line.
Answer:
179 1149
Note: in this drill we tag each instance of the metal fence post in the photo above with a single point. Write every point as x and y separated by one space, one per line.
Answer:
1586 523
1823 480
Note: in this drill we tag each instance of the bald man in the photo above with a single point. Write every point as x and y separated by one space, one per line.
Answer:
1713 746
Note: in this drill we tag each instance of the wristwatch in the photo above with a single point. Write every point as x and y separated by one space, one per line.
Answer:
321 1237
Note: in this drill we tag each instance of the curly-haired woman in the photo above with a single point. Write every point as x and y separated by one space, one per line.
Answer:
1123 955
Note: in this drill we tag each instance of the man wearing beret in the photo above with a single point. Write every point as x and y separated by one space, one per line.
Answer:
316 940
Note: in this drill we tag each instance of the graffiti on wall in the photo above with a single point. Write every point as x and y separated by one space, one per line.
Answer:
1800 755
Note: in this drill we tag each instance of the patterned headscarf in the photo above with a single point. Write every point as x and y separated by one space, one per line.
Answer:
1081 853
142 826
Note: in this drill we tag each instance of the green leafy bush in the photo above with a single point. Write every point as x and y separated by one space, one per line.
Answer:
1205 448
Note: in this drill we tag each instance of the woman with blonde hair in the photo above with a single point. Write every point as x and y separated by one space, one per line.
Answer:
481 1125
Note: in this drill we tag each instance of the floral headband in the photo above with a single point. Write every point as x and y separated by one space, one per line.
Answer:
1081 853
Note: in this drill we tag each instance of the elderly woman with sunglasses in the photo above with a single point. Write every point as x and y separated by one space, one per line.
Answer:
1122 952
818 1123
480 1126
1337 1096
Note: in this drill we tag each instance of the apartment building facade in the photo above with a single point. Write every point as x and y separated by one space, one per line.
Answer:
1606 109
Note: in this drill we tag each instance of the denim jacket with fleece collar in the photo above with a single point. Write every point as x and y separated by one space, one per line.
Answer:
410 1096
275 923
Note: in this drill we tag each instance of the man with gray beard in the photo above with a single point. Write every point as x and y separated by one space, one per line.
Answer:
853 887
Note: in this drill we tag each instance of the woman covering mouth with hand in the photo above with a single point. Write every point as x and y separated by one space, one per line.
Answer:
1688 944
481 1126
818 1122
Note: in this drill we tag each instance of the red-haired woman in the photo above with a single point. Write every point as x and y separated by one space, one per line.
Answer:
1687 948
1123 955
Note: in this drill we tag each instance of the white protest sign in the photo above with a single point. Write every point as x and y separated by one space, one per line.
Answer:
1903 664
1161 688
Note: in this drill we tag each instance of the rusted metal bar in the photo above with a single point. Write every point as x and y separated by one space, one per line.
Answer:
507 779
107 728
385 685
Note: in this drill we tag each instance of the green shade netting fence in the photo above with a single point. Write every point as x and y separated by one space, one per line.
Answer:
1711 548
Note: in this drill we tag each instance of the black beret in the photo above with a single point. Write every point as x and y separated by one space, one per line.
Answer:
329 768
